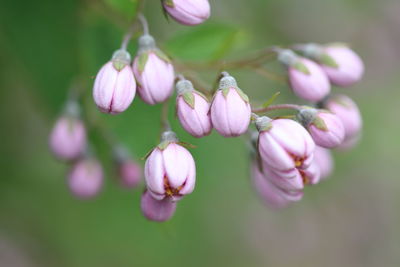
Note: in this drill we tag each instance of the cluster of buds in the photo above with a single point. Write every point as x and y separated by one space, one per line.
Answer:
68 143
151 71
310 76
289 153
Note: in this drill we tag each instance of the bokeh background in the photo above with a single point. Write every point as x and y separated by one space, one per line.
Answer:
352 219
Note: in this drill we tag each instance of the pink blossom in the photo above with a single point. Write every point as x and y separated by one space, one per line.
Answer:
272 195
193 109
309 81
68 138
115 85
130 173
157 210
85 178
325 128
349 69
284 144
348 112
188 12
230 109
170 170
153 71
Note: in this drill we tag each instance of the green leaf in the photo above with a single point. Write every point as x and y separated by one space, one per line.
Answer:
162 55
301 67
327 60
188 97
271 100
206 42
142 61
320 124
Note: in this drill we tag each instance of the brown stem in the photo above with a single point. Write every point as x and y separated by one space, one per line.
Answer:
276 107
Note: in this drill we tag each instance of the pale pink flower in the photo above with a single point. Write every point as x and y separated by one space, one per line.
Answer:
188 12
230 109
85 178
68 138
348 67
153 71
115 85
157 210
170 170
193 109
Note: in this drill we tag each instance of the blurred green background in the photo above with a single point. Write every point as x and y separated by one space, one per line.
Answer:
352 219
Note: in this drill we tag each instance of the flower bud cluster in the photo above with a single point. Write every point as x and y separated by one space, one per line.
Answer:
311 76
290 152
68 142
151 73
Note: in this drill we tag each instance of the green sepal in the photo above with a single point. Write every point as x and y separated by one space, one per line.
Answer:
242 95
225 92
266 128
169 3
320 124
327 60
188 97
163 145
301 67
271 100
143 57
118 65
186 145
162 55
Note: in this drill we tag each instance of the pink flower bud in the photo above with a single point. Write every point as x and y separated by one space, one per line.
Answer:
192 109
130 173
170 170
188 12
272 195
157 210
347 67
85 178
309 81
115 85
325 128
323 159
230 109
306 77
294 179
348 112
284 144
153 71
68 138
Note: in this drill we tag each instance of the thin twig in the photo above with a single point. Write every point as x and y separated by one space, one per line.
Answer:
276 107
